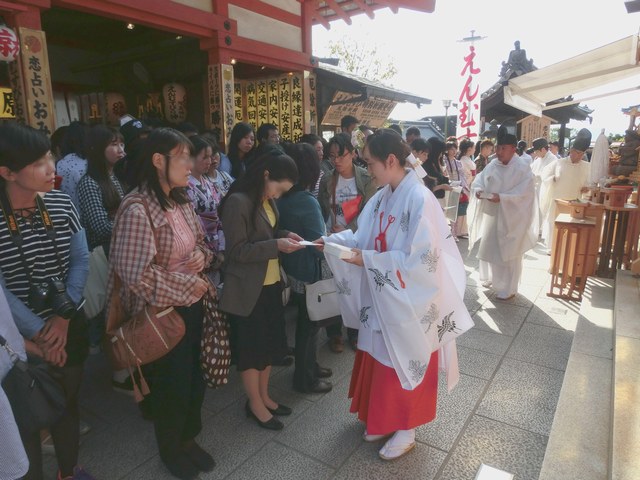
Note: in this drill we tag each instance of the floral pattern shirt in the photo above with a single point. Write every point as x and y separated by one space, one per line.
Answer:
205 199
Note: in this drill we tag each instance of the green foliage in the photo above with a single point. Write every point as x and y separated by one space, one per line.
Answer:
362 60
615 137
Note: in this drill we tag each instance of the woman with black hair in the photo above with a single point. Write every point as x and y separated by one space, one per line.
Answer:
242 146
99 191
73 164
158 255
252 293
406 285
205 198
300 213
44 267
436 182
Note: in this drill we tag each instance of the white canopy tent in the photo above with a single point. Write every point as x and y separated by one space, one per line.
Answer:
615 61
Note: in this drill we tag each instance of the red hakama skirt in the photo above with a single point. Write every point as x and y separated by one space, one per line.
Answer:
381 402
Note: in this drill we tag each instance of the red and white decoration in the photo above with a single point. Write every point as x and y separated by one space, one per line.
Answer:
9 44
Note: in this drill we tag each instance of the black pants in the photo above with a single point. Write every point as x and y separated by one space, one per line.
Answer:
335 330
65 432
305 373
177 389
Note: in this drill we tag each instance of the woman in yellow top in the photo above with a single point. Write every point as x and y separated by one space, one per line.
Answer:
252 293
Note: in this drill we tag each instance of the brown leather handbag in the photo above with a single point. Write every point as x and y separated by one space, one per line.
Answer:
141 339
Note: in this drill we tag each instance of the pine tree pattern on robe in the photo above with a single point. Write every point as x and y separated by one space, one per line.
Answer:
382 280
430 259
448 325
343 287
430 317
405 219
417 370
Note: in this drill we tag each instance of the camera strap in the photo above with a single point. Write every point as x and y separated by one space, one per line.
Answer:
14 228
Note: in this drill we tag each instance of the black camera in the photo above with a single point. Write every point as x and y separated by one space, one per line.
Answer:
52 294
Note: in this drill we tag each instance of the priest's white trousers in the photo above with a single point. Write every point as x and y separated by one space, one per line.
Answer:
504 277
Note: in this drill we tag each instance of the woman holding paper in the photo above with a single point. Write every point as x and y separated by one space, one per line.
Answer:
392 291
252 293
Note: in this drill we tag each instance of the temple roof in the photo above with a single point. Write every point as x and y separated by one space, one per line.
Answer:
329 10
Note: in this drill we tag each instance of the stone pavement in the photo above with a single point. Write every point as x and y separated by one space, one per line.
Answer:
512 365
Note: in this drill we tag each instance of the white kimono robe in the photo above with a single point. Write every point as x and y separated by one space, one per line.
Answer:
561 179
505 229
407 301
537 167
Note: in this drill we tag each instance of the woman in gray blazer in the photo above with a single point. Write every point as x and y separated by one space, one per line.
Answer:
252 293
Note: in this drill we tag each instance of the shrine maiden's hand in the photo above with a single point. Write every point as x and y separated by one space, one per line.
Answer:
495 198
356 259
479 194
319 244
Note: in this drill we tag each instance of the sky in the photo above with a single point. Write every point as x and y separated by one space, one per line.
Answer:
425 48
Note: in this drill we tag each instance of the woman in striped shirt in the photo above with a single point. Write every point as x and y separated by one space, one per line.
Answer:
44 266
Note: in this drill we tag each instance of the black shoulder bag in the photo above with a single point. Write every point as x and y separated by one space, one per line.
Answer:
36 398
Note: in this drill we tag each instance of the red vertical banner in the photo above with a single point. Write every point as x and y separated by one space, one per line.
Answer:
469 99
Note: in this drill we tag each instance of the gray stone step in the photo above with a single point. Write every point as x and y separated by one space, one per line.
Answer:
625 434
579 441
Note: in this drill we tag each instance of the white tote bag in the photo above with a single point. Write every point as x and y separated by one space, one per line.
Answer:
322 300
95 290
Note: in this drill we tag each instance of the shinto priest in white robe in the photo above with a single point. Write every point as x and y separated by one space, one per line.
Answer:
505 229
407 301
561 179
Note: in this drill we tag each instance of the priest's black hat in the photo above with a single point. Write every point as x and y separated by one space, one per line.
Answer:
539 143
582 140
506 138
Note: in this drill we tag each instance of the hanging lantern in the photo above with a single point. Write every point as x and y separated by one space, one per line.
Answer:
175 102
116 107
9 44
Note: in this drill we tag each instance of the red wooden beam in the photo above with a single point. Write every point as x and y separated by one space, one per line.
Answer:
257 53
339 11
269 11
13 7
156 14
365 8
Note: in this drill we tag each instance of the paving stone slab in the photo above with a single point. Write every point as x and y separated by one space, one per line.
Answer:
523 395
545 346
452 412
477 363
496 444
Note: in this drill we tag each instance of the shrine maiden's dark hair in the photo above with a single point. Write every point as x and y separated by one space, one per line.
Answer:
385 142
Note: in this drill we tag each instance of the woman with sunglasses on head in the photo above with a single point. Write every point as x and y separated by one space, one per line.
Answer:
44 266
403 255
158 254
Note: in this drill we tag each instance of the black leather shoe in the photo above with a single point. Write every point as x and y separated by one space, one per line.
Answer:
281 411
322 372
319 387
198 456
271 424
181 467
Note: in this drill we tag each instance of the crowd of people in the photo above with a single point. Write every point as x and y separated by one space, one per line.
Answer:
179 222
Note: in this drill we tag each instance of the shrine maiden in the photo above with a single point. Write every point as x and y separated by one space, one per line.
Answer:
564 178
504 217
403 290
